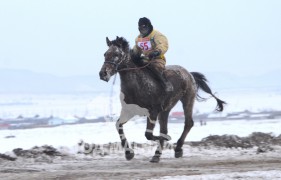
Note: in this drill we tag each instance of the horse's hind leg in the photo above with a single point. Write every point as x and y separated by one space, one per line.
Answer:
129 153
187 101
163 120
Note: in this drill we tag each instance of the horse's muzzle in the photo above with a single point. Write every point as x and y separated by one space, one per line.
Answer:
104 76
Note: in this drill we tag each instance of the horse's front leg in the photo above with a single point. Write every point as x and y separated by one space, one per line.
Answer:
129 153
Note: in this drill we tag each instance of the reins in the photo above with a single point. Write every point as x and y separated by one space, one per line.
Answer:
127 69
135 68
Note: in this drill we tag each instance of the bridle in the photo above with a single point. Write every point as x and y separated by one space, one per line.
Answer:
115 64
126 69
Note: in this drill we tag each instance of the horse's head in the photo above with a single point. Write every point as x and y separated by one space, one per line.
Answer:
116 56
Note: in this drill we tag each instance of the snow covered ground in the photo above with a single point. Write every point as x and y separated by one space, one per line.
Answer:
101 133
66 137
262 175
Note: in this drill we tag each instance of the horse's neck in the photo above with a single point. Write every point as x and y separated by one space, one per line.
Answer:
127 63
136 78
131 74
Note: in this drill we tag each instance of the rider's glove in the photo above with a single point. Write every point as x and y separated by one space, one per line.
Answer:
153 54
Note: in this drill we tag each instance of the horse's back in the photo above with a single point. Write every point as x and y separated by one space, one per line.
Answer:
180 77
172 70
174 67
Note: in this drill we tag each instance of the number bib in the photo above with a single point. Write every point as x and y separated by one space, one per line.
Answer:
144 44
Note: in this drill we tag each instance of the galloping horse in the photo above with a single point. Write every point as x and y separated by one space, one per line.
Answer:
139 87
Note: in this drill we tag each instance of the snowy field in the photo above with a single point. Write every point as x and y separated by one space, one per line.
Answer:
66 137
102 133
96 105
198 163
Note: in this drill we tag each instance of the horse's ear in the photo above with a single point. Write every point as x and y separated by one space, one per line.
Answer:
119 41
108 42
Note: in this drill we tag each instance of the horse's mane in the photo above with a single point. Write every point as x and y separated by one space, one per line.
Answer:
122 43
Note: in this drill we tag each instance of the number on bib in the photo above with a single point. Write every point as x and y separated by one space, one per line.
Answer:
145 45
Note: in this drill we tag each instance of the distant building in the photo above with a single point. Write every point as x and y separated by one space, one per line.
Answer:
177 114
4 126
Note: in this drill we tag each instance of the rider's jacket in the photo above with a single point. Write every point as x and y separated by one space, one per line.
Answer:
154 41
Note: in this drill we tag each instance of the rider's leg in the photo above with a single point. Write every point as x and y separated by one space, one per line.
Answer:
157 66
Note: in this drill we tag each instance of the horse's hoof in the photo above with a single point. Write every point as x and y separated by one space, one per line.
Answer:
155 159
178 153
88 148
129 155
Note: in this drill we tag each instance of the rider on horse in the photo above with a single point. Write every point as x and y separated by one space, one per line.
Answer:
152 45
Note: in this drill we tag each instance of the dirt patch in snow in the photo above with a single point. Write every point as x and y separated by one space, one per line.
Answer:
214 154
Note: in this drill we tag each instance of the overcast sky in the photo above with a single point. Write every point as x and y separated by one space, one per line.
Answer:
67 37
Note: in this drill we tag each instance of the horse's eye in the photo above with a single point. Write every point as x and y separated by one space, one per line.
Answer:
104 54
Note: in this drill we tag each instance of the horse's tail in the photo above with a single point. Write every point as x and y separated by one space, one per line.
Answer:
201 83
